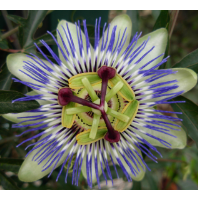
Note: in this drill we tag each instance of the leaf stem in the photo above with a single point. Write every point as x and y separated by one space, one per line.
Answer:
12 50
12 31
174 22
170 160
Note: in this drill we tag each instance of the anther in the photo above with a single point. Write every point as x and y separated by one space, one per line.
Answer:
65 95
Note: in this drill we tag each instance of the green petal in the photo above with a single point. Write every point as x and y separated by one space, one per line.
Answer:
186 78
75 82
15 62
84 137
130 110
176 143
13 117
94 127
158 39
118 115
67 120
72 28
30 171
121 21
126 92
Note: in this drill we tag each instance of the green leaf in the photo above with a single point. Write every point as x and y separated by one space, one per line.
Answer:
9 164
188 184
5 78
162 20
134 15
46 37
7 183
136 185
3 132
189 116
17 19
7 138
29 27
156 13
6 105
3 43
190 61
151 181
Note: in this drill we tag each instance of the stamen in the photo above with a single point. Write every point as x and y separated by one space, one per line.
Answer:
114 90
89 89
76 110
118 115
94 127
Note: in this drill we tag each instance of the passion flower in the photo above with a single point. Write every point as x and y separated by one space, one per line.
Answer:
98 104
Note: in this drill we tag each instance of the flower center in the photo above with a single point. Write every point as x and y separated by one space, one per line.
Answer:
98 93
73 104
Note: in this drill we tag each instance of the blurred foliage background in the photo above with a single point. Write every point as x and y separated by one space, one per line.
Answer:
176 170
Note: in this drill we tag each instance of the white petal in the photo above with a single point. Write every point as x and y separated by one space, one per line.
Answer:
141 172
84 170
15 62
72 29
176 143
158 39
30 171
121 21
186 78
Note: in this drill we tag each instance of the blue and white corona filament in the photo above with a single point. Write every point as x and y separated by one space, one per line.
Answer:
97 103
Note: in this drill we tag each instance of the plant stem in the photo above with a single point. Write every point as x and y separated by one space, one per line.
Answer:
25 13
9 33
12 50
169 160
173 23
